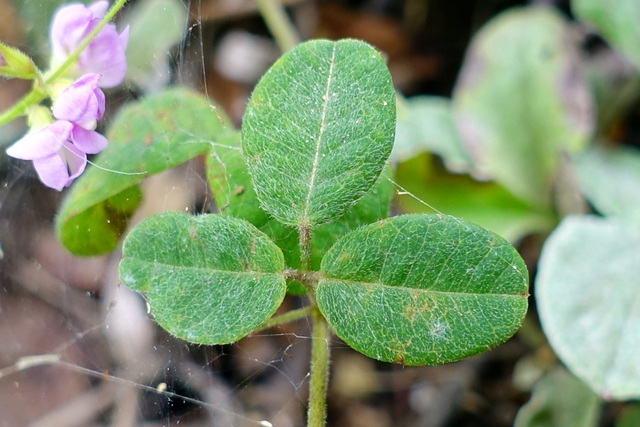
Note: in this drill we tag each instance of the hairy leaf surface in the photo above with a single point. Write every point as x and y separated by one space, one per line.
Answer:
318 129
422 289
209 279
234 195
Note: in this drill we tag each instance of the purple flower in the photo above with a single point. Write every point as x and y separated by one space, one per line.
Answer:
81 103
105 55
59 150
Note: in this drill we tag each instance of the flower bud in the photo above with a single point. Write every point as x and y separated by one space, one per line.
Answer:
14 63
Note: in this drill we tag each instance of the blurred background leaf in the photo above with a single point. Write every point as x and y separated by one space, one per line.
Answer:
521 100
610 180
587 297
560 400
155 27
433 189
616 20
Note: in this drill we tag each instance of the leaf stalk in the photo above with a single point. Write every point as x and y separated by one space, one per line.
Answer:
319 375
279 24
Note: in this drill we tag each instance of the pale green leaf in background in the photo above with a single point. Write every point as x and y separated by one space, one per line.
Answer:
155 26
521 100
426 124
616 20
610 180
209 279
560 400
318 129
422 289
589 305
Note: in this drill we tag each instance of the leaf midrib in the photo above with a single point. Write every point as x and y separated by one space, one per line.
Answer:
207 269
316 159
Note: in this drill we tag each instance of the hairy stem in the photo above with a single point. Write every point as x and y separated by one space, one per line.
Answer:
38 93
34 96
279 24
319 377
304 231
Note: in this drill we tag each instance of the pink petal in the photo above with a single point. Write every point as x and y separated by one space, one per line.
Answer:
105 55
99 9
88 141
69 27
76 161
80 102
101 102
42 143
52 171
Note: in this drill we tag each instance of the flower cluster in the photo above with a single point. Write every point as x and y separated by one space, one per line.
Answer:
59 148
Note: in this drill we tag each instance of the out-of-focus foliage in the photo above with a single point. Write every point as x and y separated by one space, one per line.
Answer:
560 399
148 57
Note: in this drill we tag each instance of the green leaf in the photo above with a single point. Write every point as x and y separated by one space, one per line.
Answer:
422 289
148 57
610 180
234 195
318 129
484 203
616 20
231 183
210 279
587 297
146 137
426 124
521 100
372 207
560 399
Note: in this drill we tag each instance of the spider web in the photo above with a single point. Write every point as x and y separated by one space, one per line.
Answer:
77 348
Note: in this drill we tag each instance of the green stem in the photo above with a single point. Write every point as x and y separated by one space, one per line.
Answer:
287 317
37 94
279 24
34 96
304 232
319 377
